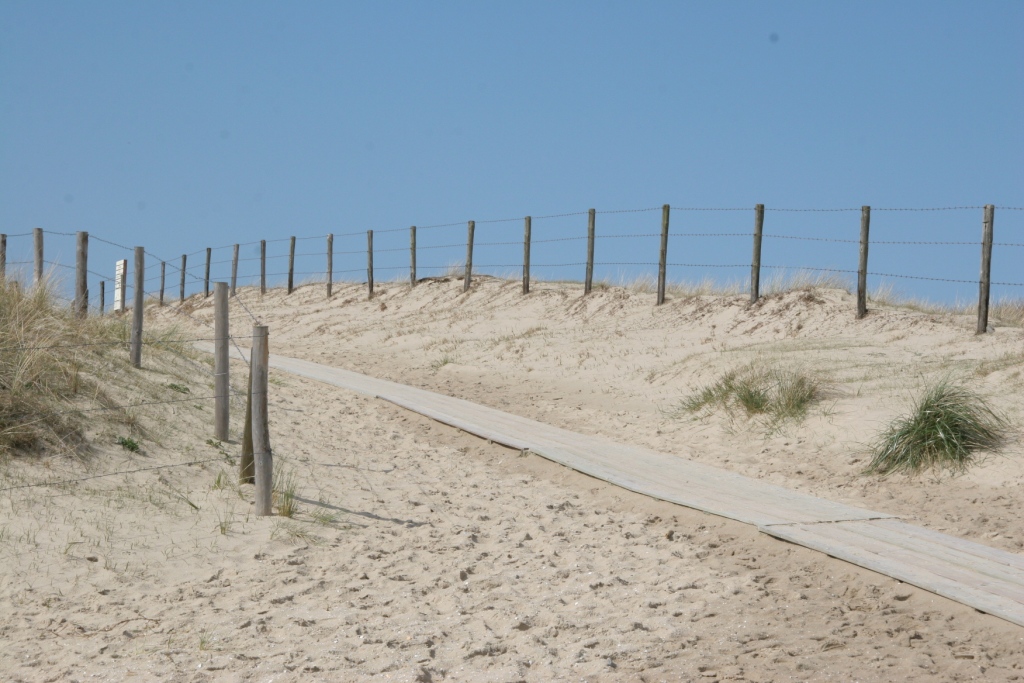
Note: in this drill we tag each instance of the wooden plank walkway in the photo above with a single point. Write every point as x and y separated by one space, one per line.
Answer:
985 578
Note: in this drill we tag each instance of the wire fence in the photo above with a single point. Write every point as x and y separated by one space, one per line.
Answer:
620 244
708 236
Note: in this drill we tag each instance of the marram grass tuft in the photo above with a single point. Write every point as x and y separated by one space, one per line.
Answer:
943 430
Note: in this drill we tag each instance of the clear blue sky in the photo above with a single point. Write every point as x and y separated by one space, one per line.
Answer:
181 125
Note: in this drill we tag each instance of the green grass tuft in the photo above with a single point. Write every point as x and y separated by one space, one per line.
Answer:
943 430
777 393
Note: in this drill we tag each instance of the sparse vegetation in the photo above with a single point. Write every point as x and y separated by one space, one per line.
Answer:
283 488
776 393
128 443
945 426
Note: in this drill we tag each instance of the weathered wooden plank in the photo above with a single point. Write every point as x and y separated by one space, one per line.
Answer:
970 547
982 574
938 577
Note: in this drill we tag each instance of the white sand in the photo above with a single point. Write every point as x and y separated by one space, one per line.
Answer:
419 553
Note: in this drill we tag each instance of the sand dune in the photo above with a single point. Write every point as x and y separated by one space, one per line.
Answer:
418 553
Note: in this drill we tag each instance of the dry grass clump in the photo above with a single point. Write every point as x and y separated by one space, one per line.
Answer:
945 426
777 393
45 354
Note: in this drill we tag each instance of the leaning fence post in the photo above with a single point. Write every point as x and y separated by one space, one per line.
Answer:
37 235
755 263
163 280
81 274
291 265
663 255
986 268
862 269
330 264
526 254
3 257
247 465
222 386
412 256
139 297
590 252
103 295
262 267
469 256
181 293
264 470
234 270
369 263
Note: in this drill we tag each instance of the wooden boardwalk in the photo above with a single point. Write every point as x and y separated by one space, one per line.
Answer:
985 578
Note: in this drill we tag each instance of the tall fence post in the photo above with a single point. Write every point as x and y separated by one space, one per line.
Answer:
264 463
291 265
471 228
985 281
163 280
412 256
81 274
663 254
103 295
526 253
330 264
37 238
590 252
181 292
234 270
221 383
139 298
862 268
755 262
206 279
3 257
263 267
369 263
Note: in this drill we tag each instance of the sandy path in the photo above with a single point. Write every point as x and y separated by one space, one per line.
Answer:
452 559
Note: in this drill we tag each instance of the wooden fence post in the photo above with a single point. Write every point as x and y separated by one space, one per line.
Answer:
163 280
663 254
103 295
527 227
291 265
221 383
139 297
3 257
755 262
264 464
588 283
234 270
120 285
81 274
181 293
985 281
247 465
330 264
862 269
369 263
412 256
469 256
37 235
263 267
206 280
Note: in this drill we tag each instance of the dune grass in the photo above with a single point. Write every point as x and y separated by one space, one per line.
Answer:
777 393
944 428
